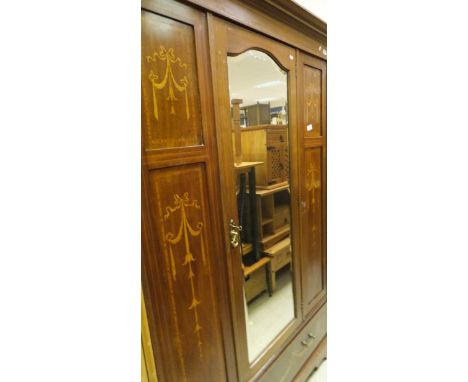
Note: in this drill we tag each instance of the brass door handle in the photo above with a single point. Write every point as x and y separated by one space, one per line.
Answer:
234 237
234 233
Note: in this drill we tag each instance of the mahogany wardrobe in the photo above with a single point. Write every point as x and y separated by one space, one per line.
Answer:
234 148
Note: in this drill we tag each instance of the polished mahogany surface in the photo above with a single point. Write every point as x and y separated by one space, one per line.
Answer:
192 278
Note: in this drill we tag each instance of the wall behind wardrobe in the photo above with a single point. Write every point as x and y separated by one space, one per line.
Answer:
317 7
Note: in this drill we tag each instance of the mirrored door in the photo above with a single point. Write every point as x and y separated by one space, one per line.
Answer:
258 92
256 120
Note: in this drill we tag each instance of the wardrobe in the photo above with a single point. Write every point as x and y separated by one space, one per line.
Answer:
234 138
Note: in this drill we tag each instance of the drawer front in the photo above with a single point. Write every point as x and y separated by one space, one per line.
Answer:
275 136
280 260
282 216
255 284
292 359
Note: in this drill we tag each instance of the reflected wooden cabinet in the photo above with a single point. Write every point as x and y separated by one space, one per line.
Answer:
274 215
220 244
254 115
267 144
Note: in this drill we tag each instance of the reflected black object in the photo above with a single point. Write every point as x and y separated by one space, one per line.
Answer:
247 213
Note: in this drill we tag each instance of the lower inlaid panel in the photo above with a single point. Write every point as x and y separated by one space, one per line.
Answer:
312 259
180 215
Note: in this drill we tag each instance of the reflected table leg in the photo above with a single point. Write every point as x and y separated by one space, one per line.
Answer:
269 278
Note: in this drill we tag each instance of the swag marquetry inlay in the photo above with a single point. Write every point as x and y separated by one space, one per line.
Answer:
170 84
312 180
313 100
168 56
185 231
313 224
313 187
184 236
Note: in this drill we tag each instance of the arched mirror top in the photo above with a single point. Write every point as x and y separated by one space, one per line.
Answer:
257 78
262 55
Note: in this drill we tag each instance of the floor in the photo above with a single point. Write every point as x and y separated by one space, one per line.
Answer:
267 316
319 375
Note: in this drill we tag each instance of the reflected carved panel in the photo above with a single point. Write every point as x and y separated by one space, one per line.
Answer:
171 115
183 237
312 101
312 225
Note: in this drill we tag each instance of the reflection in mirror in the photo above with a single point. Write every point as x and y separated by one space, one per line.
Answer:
259 109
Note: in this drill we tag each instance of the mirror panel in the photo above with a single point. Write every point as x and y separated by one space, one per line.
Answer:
258 89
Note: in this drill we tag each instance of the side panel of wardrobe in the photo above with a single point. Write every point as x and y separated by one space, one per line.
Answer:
148 368
182 272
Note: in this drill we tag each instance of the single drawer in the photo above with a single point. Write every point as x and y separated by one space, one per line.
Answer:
255 284
280 261
282 215
274 238
288 364
280 254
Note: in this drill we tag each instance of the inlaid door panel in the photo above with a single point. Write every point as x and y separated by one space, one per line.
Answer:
170 87
179 211
312 228
314 96
313 100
